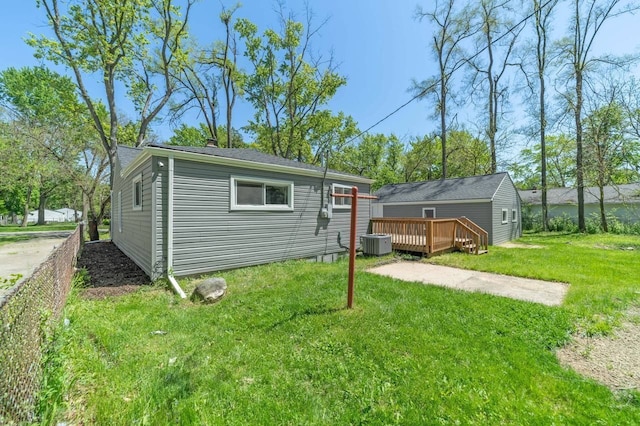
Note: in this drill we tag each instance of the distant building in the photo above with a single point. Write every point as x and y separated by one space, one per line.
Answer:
49 216
621 201
70 215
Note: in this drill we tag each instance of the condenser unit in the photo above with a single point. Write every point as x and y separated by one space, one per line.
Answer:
376 244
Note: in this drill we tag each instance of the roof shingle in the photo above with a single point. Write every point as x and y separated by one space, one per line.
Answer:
458 189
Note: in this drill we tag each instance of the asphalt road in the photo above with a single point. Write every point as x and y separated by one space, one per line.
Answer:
23 257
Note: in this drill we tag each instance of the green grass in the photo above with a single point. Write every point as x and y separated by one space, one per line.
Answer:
31 228
602 271
7 239
280 348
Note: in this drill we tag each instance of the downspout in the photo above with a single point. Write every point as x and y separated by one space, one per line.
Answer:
170 277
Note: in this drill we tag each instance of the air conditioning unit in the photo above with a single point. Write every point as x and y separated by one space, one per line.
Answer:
376 244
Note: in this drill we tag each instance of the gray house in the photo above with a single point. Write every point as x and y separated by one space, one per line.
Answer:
621 201
188 210
491 201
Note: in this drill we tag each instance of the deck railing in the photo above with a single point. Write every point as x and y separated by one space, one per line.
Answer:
432 236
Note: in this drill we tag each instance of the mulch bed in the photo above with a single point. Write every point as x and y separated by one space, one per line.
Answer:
111 273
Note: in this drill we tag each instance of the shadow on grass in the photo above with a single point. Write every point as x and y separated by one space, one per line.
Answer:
311 311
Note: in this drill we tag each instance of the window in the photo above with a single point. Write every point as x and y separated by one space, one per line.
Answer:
137 193
429 212
514 215
505 215
261 194
341 202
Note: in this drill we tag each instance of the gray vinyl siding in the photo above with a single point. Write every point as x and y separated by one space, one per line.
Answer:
208 237
135 238
480 213
506 197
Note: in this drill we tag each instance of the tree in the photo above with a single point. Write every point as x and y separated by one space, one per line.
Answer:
206 70
497 38
138 43
560 151
452 28
588 17
44 111
287 86
604 149
186 135
375 156
543 15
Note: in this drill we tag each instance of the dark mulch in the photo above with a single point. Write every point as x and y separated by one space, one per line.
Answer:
111 273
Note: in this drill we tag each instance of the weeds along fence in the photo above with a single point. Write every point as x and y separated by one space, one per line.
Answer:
28 315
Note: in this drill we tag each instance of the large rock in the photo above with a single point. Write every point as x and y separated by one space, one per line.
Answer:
210 290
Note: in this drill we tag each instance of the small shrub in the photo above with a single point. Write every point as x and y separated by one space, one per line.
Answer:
81 279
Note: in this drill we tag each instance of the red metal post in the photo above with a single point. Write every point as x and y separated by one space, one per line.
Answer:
352 245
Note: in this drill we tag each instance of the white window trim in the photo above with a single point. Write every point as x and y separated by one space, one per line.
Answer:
514 215
333 199
134 181
505 216
428 208
233 206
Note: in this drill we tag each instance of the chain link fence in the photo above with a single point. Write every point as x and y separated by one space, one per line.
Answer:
28 314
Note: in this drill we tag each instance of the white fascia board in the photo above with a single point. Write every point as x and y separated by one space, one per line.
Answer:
434 203
233 162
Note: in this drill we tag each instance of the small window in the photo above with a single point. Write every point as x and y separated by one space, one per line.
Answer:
429 212
505 215
137 192
261 194
514 215
341 202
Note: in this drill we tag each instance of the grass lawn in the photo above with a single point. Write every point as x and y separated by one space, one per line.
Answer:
280 348
69 226
6 239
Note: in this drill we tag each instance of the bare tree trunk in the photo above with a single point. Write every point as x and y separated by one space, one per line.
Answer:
94 235
603 214
26 209
579 169
41 204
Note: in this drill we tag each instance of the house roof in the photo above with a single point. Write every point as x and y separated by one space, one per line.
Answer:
126 155
627 193
458 189
232 156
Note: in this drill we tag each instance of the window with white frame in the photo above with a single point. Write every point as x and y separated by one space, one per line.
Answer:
341 202
136 191
261 194
429 212
514 215
505 215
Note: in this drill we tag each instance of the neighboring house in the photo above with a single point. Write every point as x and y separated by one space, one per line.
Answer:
188 210
621 201
49 216
70 215
491 201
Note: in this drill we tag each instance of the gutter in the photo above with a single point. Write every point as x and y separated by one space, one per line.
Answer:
170 277
176 286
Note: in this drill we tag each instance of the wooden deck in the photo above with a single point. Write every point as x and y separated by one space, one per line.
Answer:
433 236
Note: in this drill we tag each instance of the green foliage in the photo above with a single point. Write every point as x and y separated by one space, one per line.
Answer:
560 164
376 156
9 282
286 87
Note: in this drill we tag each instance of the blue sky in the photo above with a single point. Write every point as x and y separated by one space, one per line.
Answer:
379 45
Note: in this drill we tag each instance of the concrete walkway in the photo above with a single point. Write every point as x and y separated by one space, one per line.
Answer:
23 257
545 292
